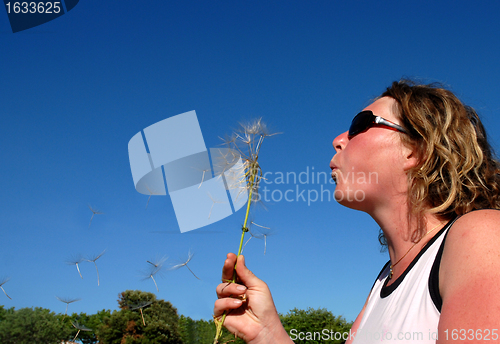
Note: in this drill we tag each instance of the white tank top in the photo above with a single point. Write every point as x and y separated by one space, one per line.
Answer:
408 310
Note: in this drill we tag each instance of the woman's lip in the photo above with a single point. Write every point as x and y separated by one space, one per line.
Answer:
334 174
334 171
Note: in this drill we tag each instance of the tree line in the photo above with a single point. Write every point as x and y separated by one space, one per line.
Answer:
143 319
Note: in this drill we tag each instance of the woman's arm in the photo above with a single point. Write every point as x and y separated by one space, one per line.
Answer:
469 280
355 325
255 319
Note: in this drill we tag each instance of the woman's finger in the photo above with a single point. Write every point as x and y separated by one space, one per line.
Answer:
230 289
228 269
223 305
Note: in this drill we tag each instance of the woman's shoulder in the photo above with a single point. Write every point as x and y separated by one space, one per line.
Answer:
478 217
473 232
475 224
469 273
471 249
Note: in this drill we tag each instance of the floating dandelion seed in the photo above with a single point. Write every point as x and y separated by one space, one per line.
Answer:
158 262
203 175
247 140
2 282
76 261
67 302
213 203
94 212
224 157
93 260
224 164
252 235
79 327
140 306
178 266
152 272
151 193
259 235
265 234
155 268
233 170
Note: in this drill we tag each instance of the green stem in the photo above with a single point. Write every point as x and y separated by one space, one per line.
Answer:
244 229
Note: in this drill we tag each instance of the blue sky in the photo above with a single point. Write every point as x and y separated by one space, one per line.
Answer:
75 90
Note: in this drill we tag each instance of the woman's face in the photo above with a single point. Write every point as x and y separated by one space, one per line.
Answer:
370 168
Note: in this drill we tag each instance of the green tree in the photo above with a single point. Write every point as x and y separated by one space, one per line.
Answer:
32 325
4 312
157 324
94 322
187 330
314 326
203 332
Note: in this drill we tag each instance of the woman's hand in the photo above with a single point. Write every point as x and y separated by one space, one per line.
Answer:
251 314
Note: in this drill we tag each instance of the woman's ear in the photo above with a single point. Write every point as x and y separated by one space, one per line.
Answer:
411 158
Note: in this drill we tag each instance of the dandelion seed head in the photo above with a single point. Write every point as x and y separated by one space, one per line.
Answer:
4 280
94 211
245 176
95 257
75 260
152 271
254 127
80 327
158 262
142 304
185 263
67 299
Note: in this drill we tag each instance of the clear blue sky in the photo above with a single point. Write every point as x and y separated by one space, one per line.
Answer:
75 90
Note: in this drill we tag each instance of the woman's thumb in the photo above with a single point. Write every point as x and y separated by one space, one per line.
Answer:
246 276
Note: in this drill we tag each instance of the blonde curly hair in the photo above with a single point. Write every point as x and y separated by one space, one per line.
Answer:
458 171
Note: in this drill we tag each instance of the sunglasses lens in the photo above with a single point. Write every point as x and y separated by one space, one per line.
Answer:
360 123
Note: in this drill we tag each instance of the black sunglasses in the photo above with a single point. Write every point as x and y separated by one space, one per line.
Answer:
366 119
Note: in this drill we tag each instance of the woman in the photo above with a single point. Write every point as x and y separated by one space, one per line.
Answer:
435 201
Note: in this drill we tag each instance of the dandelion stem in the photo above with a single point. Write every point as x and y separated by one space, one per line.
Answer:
79 270
142 315
192 272
155 283
6 293
244 229
251 136
96 269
